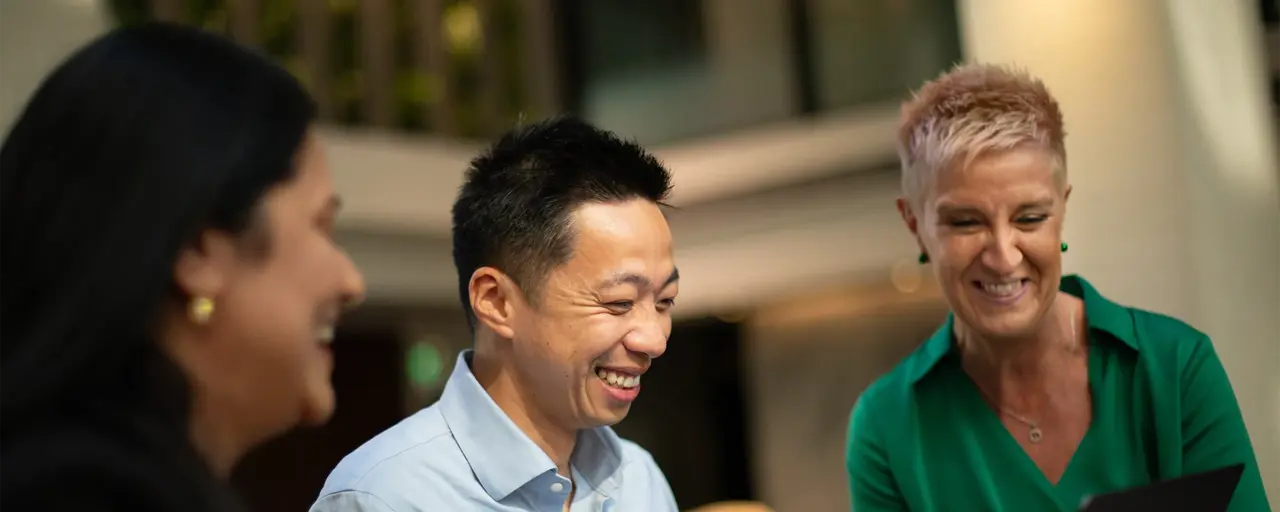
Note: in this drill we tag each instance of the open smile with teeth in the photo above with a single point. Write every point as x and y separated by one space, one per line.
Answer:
1001 288
618 379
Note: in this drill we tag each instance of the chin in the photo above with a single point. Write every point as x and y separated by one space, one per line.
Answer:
1003 328
610 420
1017 321
319 409
608 416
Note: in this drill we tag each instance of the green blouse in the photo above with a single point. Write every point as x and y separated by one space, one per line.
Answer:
922 439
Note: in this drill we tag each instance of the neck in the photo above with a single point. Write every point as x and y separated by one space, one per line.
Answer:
1023 361
211 430
215 441
500 381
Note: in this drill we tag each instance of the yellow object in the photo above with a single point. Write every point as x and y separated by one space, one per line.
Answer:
201 310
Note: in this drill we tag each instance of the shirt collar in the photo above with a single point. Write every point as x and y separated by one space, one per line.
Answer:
1101 316
502 457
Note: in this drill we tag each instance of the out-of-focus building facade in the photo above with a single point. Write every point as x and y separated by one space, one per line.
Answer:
777 118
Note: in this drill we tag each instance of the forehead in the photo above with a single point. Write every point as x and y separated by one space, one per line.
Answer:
1016 174
311 175
629 236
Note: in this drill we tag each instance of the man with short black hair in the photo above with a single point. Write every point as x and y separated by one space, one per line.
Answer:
567 278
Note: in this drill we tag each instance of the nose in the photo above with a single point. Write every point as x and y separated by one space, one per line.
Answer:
650 336
1002 254
353 287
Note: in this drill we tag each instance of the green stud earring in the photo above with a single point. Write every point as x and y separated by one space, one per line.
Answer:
924 258
1064 247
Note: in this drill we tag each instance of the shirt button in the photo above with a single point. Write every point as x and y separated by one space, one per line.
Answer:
557 487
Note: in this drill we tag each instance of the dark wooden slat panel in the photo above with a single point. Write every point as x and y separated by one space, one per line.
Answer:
541 70
431 57
246 22
492 73
169 10
314 33
377 51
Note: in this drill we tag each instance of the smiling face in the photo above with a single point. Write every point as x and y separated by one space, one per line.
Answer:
601 318
263 357
992 231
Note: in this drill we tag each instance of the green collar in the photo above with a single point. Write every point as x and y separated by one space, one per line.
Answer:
1100 315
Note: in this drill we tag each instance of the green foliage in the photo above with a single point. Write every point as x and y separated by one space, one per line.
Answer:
414 90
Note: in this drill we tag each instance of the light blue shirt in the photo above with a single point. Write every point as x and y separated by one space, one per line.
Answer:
464 453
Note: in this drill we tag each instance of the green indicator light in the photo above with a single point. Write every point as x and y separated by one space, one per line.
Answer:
424 365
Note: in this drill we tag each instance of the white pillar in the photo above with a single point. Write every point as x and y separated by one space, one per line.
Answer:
1171 148
35 36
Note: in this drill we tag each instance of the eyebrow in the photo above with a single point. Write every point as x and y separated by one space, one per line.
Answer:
1029 205
1032 205
639 281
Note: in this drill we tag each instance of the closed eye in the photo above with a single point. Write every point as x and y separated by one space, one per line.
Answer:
666 304
620 307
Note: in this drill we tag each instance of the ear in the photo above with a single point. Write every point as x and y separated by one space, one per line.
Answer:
204 267
492 294
1066 195
909 217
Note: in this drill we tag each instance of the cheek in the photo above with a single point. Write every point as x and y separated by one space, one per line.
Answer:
274 309
281 300
316 274
266 346
1043 251
547 338
956 253
594 335
592 338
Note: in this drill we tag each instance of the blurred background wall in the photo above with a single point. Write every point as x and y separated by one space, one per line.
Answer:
777 118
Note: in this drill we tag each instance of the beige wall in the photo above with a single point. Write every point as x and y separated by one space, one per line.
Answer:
809 360
34 36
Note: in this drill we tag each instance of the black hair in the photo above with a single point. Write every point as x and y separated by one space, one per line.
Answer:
513 212
132 147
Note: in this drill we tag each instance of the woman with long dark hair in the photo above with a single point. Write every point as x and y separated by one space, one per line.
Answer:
169 281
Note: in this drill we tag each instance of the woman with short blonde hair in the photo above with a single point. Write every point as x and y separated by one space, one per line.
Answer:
1038 391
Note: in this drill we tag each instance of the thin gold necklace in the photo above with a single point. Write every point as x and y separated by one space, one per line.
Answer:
1034 433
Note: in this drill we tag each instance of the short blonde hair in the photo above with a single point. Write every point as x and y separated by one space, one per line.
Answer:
973 109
